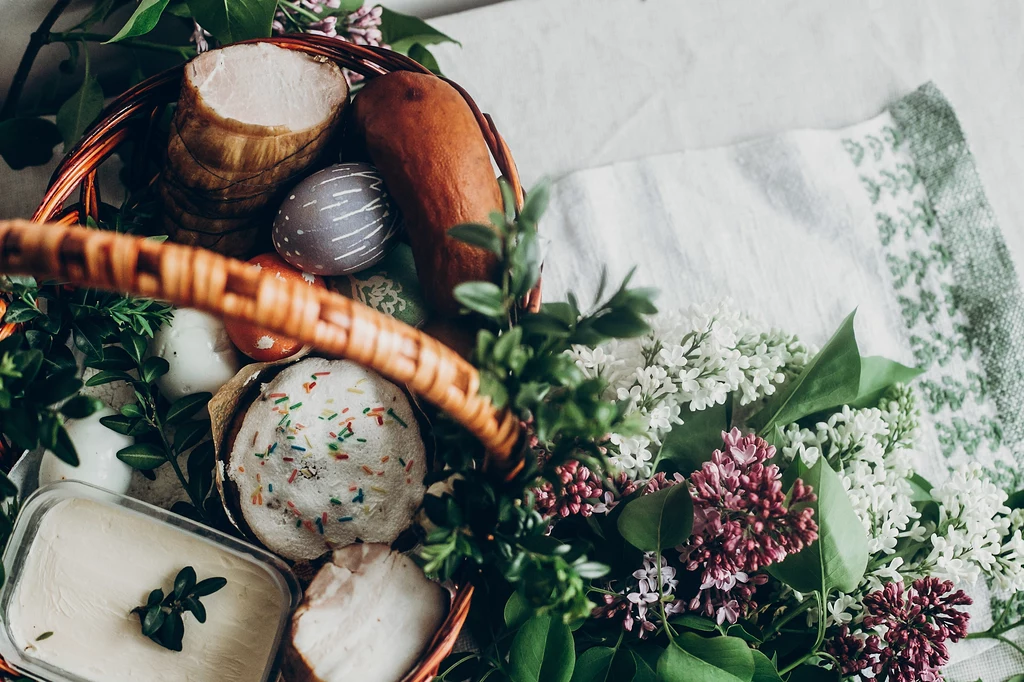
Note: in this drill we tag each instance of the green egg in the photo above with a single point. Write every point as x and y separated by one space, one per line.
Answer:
390 286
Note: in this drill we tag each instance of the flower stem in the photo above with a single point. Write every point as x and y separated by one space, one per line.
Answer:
173 460
793 613
820 599
299 9
38 39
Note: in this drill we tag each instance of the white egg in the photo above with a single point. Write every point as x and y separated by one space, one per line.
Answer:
97 448
199 352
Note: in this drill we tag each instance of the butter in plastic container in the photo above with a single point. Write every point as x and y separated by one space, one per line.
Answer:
80 558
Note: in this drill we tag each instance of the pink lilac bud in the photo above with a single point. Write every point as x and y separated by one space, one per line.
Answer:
581 490
854 653
742 524
917 622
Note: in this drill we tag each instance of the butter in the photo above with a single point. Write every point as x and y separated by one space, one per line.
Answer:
90 563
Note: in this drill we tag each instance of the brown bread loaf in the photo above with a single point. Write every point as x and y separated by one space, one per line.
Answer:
423 138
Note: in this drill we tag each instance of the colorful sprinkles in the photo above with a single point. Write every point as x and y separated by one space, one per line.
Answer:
340 426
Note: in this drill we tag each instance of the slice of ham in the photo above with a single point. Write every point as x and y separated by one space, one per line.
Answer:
251 120
368 615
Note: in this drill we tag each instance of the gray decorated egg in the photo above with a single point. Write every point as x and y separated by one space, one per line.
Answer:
336 221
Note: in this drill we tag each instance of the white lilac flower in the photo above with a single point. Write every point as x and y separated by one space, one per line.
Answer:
976 533
871 447
691 361
839 609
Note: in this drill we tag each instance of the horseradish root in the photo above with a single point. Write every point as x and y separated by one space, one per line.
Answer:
424 140
368 615
250 120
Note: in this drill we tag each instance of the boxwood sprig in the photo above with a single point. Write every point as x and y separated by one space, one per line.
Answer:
162 617
523 364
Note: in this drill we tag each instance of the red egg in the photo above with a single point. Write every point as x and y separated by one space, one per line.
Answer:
262 344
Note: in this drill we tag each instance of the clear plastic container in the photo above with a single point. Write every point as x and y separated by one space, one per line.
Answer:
261 590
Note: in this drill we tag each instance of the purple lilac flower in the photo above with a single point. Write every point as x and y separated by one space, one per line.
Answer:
917 622
638 604
742 524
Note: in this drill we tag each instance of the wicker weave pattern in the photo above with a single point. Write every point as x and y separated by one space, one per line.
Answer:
336 326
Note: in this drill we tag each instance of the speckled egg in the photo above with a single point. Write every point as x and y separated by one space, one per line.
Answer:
336 221
262 344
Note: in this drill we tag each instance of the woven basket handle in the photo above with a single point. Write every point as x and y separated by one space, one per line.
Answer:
336 326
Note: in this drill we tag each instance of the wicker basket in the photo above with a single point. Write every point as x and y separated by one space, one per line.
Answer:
186 276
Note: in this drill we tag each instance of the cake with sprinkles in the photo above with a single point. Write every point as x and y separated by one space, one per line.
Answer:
328 453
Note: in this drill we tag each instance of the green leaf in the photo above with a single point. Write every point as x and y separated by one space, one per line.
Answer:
542 651
517 611
695 659
185 408
114 358
134 344
764 669
107 376
64 448
173 628
876 375
118 423
80 407
152 621
190 434
28 141
699 623
402 31
688 445
142 456
19 312
143 20
208 586
154 368
622 323
658 520
837 560
831 379
536 202
421 54
196 607
482 297
645 659
155 597
22 427
54 388
813 673
525 262
1015 500
603 664
80 110
477 235
920 487
232 20
200 469
184 581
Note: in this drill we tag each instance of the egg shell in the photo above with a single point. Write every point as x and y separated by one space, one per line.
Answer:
338 220
390 287
261 344
97 448
197 349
